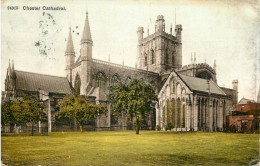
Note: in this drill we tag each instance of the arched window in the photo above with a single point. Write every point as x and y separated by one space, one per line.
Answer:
163 114
173 86
114 80
183 113
179 113
101 81
77 84
166 57
152 57
205 75
168 113
145 60
173 59
173 112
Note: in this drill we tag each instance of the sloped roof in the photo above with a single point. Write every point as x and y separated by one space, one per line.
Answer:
33 82
199 84
99 94
244 101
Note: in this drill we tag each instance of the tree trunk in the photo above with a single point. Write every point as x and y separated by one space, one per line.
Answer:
137 129
11 128
81 128
32 129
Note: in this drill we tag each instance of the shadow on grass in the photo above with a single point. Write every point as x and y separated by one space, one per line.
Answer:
22 134
189 159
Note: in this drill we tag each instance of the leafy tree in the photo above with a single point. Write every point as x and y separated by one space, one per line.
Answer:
133 100
22 111
7 116
80 109
33 111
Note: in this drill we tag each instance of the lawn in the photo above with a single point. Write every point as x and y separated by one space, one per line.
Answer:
127 148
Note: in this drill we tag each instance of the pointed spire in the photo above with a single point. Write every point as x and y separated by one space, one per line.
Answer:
70 46
9 68
171 29
194 57
148 31
13 67
86 36
109 58
215 65
12 64
191 60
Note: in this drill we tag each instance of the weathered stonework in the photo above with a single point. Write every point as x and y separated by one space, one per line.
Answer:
189 97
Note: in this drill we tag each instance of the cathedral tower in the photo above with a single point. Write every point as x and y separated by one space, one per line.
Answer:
70 57
86 57
159 52
86 41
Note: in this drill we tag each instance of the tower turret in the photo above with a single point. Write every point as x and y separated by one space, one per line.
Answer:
160 24
235 87
86 41
70 56
215 65
140 32
178 30
10 78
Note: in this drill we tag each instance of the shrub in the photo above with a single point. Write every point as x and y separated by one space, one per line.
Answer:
157 128
169 126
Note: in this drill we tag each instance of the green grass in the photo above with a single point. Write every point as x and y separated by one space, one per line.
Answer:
127 148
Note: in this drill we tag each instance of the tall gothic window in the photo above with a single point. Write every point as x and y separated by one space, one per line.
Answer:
168 112
173 112
173 86
173 59
101 80
152 57
183 113
145 60
166 57
115 80
179 113
164 119
77 84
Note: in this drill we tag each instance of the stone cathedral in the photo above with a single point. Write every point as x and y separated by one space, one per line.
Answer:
189 96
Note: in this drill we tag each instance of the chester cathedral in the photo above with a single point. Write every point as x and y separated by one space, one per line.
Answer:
189 98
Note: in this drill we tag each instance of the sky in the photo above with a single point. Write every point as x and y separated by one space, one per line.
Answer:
225 31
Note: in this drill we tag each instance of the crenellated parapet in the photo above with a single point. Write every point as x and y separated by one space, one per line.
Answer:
197 66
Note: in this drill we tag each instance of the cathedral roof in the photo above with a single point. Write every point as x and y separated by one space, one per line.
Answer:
34 82
86 36
199 84
70 47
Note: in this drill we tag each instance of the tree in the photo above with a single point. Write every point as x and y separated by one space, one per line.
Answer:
133 99
7 116
79 108
33 111
22 111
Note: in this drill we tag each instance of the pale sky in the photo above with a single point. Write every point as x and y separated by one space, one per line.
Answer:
226 31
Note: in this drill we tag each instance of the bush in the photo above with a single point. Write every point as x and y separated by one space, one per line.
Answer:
157 128
169 126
